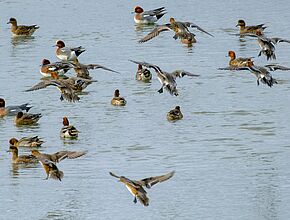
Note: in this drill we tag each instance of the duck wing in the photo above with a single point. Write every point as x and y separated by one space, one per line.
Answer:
43 84
273 67
182 73
151 181
155 32
193 25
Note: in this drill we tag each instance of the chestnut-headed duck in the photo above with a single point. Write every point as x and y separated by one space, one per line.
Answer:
167 80
18 159
143 74
148 17
66 89
12 110
26 118
21 30
60 68
180 28
66 53
135 187
26 142
68 131
58 156
237 61
82 70
117 100
174 114
250 29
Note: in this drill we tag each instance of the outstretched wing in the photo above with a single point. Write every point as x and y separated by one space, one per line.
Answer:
151 181
149 65
61 155
97 66
276 40
273 67
182 73
193 25
43 84
155 32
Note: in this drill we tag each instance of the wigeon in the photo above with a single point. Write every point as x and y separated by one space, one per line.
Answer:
135 187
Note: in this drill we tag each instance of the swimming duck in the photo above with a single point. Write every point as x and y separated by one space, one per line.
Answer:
65 88
60 68
26 142
51 169
261 73
267 44
135 187
117 100
148 17
167 80
250 29
12 110
16 159
174 114
26 118
82 70
180 29
21 30
143 74
58 156
68 131
237 61
67 54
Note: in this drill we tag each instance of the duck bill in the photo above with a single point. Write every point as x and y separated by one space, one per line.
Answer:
8 22
237 25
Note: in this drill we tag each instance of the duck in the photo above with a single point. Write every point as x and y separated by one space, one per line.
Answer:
250 29
82 70
143 74
66 53
60 68
12 110
237 61
261 73
174 114
267 44
51 169
66 89
26 118
117 100
68 131
26 142
148 17
58 156
21 159
135 187
167 80
21 30
180 28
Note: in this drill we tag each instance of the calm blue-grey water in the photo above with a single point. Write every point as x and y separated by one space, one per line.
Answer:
230 152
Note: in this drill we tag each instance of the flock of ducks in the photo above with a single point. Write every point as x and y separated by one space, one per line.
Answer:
70 88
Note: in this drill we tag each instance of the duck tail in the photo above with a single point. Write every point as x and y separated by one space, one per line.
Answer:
158 16
57 175
143 199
